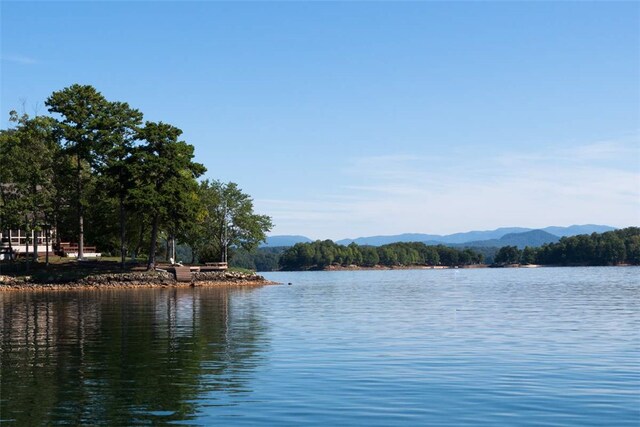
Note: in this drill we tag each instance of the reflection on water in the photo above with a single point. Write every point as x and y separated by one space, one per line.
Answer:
547 346
123 357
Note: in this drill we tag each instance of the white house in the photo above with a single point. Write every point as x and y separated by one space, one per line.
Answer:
17 241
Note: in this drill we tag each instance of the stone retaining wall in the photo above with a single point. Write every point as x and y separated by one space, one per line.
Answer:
146 279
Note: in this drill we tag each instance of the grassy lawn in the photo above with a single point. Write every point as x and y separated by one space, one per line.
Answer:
65 269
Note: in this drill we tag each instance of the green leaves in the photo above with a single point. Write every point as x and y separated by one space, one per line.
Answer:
96 159
165 175
81 109
322 254
27 156
227 220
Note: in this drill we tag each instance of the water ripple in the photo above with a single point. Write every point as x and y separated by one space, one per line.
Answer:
458 347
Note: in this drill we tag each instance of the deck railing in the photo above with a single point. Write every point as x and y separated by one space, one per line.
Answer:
217 265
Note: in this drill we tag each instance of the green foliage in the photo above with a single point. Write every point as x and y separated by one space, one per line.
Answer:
226 221
508 255
260 259
134 185
165 176
79 131
27 186
321 254
610 248
370 256
81 110
119 127
528 256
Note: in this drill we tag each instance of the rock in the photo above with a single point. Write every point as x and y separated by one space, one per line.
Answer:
145 279
226 276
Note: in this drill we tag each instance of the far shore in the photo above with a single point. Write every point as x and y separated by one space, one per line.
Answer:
399 267
402 267
166 279
443 267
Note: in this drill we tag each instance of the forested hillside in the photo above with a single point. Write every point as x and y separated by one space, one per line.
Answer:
610 248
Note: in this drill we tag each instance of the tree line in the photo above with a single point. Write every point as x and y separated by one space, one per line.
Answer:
260 259
322 254
96 171
609 248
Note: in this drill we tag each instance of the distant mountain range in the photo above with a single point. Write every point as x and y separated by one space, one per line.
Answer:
528 238
506 236
274 241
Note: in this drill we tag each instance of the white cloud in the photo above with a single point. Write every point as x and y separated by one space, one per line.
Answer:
19 59
589 183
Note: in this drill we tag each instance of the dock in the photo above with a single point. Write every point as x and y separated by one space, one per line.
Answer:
183 273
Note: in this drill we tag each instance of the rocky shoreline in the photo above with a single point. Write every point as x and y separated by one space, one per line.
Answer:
130 280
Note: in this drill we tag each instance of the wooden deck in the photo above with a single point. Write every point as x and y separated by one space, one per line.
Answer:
214 266
66 248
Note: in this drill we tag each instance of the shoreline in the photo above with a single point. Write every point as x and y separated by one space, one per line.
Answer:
384 267
142 280
35 287
442 267
403 267
163 279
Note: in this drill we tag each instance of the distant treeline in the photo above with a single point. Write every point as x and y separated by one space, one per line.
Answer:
322 254
261 259
610 248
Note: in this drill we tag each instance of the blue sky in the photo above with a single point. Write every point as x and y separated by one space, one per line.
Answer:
361 118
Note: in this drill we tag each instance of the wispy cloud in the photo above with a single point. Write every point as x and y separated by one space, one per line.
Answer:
18 59
584 183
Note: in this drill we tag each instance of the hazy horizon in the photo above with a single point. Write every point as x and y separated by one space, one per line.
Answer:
357 119
441 234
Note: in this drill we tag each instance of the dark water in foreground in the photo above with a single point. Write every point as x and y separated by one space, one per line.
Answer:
464 347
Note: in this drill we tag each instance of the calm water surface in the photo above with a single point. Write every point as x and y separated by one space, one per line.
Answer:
465 347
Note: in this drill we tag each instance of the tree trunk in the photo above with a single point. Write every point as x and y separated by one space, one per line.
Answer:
139 243
35 246
26 248
46 242
122 219
80 211
10 248
55 226
152 247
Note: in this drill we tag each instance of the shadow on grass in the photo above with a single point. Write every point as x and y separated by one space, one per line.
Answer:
64 270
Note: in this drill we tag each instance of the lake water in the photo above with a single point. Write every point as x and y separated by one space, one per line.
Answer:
547 346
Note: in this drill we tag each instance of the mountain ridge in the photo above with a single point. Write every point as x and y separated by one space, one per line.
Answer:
475 237
521 240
